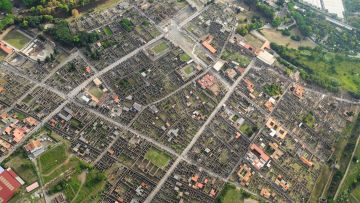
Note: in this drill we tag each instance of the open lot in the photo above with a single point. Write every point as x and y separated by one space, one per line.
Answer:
157 157
54 157
21 164
16 39
278 38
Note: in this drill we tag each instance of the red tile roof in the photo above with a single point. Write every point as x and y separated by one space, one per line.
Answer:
5 48
207 44
264 156
8 185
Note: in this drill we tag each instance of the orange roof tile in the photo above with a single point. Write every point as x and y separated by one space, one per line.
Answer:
33 144
195 178
5 144
4 115
207 44
88 69
8 130
18 134
264 156
5 48
212 193
306 161
31 121
116 98
299 91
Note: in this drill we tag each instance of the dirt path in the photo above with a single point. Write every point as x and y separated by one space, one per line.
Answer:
347 169
64 163
82 179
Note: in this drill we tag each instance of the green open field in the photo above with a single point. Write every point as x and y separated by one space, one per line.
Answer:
52 158
83 185
185 58
160 47
352 175
94 183
330 70
157 157
247 129
97 92
231 194
278 38
237 57
188 70
20 116
21 164
342 156
107 31
16 39
320 184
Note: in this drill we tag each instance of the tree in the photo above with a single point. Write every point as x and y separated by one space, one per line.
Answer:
276 22
126 24
6 6
30 3
242 30
75 13
7 21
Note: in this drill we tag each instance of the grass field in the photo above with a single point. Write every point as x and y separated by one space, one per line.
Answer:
21 164
93 185
20 116
157 157
160 47
320 184
107 31
237 57
16 39
253 41
231 194
354 172
332 71
96 92
188 70
278 38
247 129
73 163
81 186
52 158
184 57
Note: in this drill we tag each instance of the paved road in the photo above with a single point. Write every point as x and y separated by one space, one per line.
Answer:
197 135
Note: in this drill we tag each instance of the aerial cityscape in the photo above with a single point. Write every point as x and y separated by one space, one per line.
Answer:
179 101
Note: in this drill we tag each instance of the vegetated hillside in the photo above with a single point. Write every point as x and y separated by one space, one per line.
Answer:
352 9
329 70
